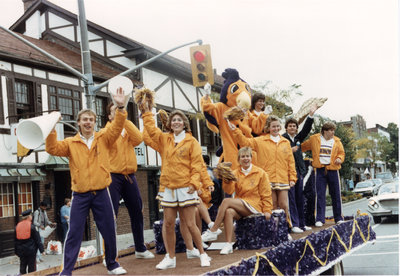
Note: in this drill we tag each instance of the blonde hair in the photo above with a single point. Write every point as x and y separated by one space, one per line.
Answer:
186 125
245 150
270 119
86 111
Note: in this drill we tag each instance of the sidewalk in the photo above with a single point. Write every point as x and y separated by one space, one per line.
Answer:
10 265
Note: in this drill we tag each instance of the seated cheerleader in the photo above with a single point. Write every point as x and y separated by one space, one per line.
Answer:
252 196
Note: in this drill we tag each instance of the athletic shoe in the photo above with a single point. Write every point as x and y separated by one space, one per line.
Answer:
319 224
340 221
210 236
205 260
194 253
307 228
228 249
296 230
166 263
144 255
104 262
117 271
205 246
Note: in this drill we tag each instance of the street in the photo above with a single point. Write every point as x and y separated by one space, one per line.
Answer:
379 258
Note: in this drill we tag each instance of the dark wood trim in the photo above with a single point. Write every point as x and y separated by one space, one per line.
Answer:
61 27
184 95
162 84
6 131
2 121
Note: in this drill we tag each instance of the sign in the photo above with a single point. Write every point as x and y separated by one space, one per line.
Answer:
140 152
203 150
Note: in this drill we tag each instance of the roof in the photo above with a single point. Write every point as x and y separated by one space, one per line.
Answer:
179 67
12 48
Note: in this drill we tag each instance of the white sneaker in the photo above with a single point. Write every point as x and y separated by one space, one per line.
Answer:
205 260
117 271
319 224
194 253
210 236
227 249
340 221
167 262
307 228
296 230
104 262
144 255
205 246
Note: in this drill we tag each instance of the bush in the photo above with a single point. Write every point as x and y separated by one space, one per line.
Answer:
347 196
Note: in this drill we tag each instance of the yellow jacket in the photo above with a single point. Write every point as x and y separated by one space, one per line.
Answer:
122 152
253 188
257 122
314 144
275 158
181 163
206 182
149 142
90 169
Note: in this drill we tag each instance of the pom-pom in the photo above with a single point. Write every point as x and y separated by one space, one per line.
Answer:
163 117
224 171
234 113
143 96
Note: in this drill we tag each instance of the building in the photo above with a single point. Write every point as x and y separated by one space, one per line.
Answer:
380 130
357 124
32 84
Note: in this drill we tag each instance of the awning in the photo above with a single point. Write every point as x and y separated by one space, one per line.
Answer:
21 172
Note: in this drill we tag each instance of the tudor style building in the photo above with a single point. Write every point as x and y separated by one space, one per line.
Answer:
32 84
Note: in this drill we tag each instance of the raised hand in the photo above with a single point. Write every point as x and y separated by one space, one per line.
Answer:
119 97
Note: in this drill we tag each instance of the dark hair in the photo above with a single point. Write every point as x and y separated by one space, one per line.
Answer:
108 109
206 159
327 126
291 121
44 204
186 125
254 98
66 200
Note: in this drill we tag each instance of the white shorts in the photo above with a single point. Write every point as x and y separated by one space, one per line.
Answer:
179 198
251 208
279 186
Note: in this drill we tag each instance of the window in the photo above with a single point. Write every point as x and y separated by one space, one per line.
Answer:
67 101
24 197
24 99
101 113
6 200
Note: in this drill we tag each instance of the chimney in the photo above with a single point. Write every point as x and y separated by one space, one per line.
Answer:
27 4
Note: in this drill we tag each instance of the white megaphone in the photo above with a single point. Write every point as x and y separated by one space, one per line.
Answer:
120 81
31 133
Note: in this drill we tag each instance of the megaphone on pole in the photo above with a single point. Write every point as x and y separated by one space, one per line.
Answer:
31 133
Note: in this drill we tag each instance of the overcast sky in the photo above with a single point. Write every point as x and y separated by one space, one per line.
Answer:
345 50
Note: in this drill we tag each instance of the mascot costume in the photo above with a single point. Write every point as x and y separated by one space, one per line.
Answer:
234 92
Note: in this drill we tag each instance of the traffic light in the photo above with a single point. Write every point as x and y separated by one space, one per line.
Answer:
202 70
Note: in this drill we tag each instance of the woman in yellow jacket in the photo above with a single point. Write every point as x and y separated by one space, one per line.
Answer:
252 196
183 162
274 155
258 113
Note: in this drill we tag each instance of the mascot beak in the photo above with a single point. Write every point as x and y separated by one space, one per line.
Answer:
243 100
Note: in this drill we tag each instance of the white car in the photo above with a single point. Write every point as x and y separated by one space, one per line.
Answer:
386 203
364 188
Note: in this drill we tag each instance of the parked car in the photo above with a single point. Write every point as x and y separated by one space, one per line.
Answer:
386 203
385 176
364 188
378 182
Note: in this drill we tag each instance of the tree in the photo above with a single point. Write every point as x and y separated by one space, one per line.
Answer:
393 130
277 97
375 147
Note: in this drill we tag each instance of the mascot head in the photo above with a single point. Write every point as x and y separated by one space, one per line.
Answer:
235 91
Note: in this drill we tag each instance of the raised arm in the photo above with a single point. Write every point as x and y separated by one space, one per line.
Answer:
135 136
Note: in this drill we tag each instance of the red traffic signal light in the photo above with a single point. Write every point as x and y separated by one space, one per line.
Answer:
202 71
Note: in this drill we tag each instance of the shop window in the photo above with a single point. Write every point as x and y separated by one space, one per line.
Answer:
101 113
6 200
24 99
24 197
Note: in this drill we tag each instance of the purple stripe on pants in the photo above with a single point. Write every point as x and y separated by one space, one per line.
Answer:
127 188
330 177
103 213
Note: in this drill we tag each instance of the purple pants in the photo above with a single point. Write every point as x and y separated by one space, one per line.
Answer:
125 186
322 178
296 203
100 204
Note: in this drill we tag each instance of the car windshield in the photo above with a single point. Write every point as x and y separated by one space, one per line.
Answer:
385 175
364 184
389 188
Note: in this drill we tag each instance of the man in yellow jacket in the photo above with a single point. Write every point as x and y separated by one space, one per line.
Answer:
89 162
123 167
328 155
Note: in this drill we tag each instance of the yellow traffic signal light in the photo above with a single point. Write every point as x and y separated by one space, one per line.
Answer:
202 70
